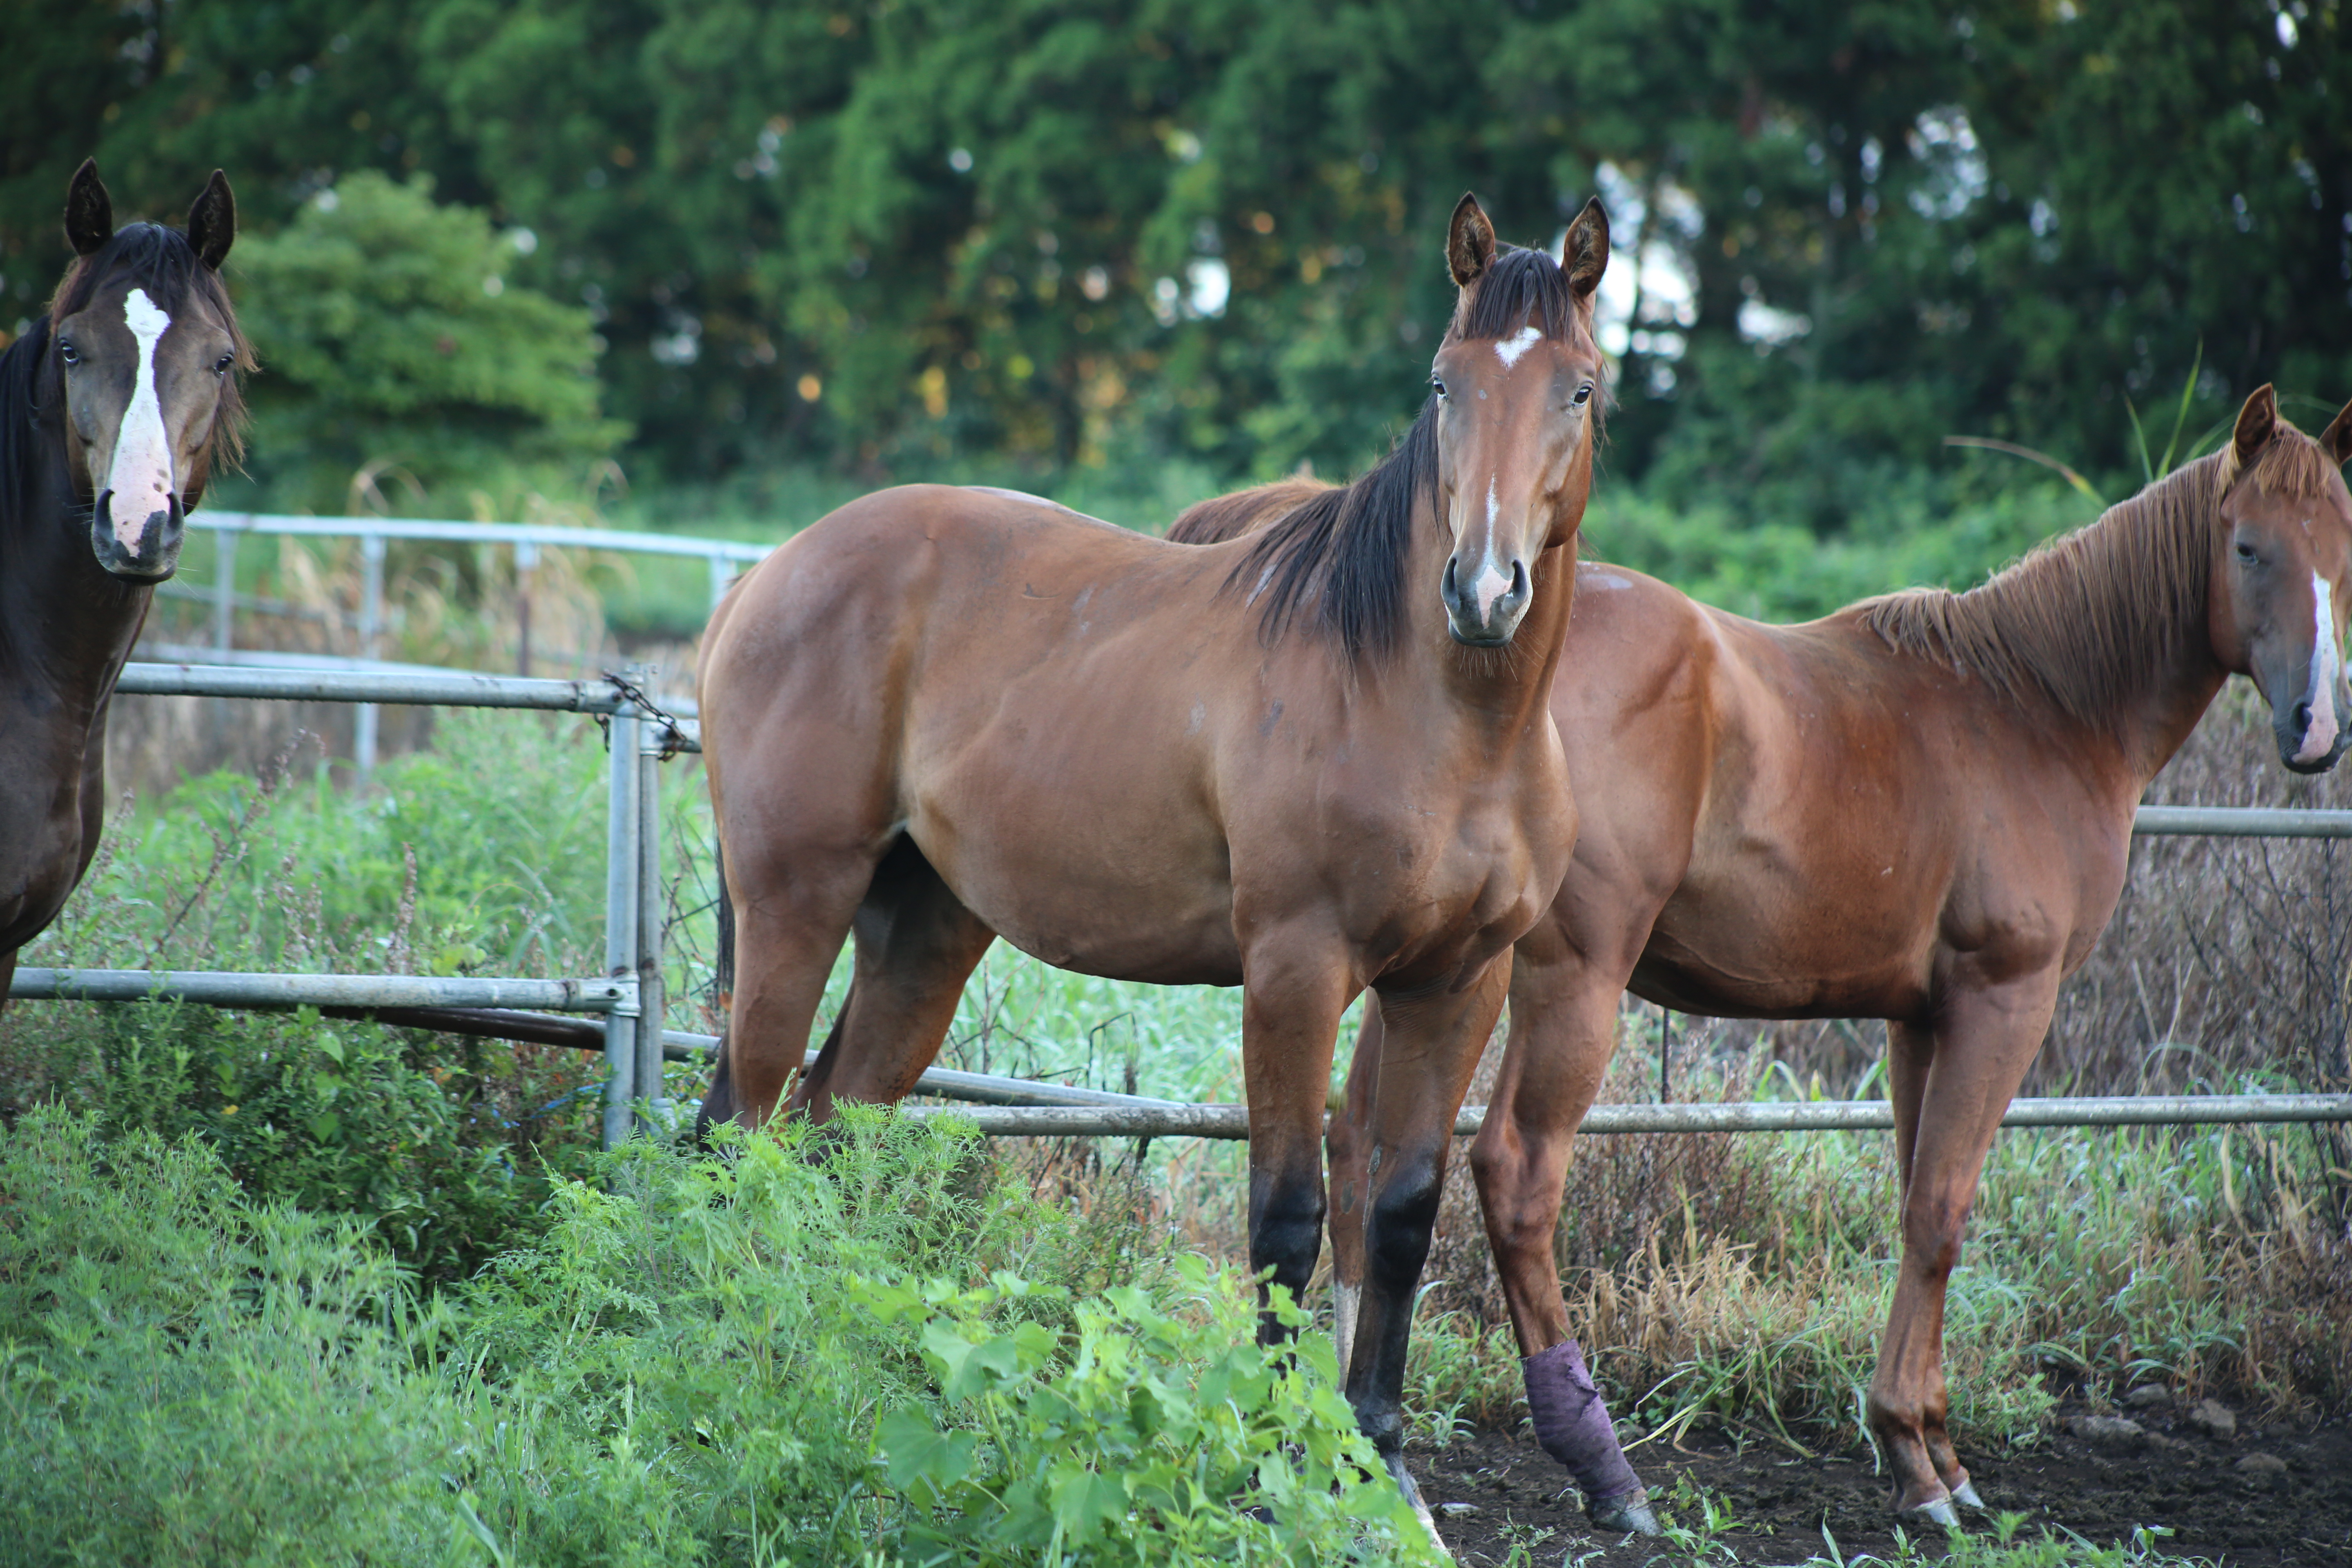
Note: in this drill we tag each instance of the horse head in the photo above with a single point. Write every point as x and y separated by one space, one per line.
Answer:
149 350
2283 553
1519 385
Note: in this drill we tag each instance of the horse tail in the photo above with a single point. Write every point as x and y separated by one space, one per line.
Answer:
719 1099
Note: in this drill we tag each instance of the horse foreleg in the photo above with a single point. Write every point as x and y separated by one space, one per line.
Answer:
1348 1142
1953 1092
1293 991
1431 1044
1563 1032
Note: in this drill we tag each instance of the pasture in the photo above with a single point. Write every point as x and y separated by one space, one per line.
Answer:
430 1191
1712 638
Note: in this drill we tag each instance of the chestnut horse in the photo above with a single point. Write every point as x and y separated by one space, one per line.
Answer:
1918 809
113 410
1305 763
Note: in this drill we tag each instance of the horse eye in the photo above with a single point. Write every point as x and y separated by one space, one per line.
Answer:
2246 553
1583 395
1439 385
220 366
69 353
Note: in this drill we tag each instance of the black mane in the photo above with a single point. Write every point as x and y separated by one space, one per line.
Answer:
1340 559
20 369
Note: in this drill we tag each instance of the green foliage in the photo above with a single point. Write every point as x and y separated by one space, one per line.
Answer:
1147 1436
461 859
390 335
1754 564
189 1376
446 1146
980 231
738 1361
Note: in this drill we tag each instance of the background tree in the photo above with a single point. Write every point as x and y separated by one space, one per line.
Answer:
887 236
389 337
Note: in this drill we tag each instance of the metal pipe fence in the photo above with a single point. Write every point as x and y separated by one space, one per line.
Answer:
723 556
629 996
1232 1122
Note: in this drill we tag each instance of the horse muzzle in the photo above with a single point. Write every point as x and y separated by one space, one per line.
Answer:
1486 611
146 549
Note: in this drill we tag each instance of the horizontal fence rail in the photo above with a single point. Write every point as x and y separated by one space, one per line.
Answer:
457 689
1232 1122
2239 822
550 536
224 988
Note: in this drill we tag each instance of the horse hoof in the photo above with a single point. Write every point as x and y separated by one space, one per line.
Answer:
1938 1512
1404 1481
1965 1494
1627 1515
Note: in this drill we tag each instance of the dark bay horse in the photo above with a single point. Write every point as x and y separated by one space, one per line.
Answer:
114 409
1305 763
1918 809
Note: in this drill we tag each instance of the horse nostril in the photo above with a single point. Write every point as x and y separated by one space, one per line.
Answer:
2302 717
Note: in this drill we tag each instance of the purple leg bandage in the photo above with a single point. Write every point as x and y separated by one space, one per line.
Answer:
1572 1424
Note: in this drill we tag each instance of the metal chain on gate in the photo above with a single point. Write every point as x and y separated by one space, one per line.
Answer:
672 735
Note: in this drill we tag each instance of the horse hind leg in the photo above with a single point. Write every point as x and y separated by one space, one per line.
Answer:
1951 1085
917 945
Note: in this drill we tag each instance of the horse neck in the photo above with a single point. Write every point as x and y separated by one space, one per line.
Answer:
65 624
2183 682
2176 679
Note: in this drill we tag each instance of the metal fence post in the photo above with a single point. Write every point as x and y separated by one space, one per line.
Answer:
223 589
621 861
650 913
526 566
371 625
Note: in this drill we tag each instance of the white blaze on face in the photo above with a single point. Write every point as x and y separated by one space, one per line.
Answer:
1493 583
140 473
2319 734
1508 350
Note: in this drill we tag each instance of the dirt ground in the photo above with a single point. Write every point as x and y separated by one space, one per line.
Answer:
2289 1513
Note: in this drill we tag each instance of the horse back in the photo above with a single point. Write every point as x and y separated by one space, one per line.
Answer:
1870 820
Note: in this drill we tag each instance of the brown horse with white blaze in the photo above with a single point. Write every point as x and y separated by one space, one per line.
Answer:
115 409
1918 809
1307 763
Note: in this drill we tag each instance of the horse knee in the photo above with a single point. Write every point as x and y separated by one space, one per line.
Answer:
1287 1229
1398 1224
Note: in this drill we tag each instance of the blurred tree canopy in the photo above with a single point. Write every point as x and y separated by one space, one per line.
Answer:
1080 232
393 339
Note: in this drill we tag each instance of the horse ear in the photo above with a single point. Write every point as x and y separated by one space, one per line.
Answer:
212 222
1585 254
2256 422
89 211
1469 242
2336 439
